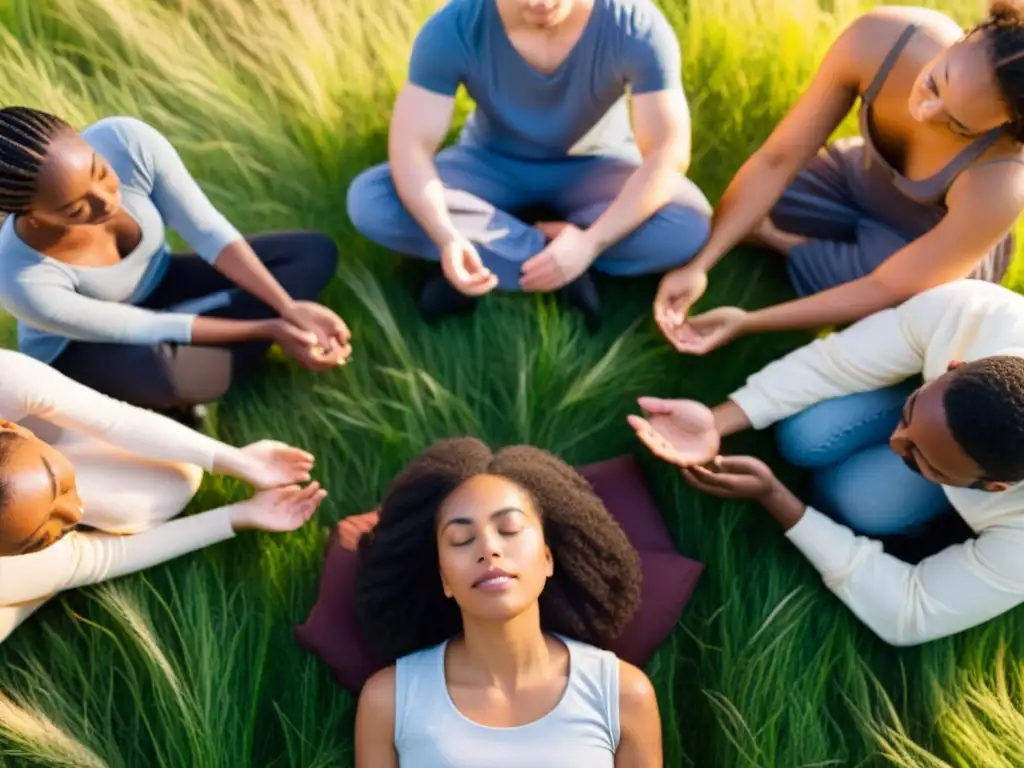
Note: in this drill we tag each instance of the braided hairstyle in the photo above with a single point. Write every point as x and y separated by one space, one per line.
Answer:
1004 35
400 602
25 138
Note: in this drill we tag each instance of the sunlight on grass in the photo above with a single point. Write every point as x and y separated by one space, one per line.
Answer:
275 105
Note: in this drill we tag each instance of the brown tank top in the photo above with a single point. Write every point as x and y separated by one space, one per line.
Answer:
930 191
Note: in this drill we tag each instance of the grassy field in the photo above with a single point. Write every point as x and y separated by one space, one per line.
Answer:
276 105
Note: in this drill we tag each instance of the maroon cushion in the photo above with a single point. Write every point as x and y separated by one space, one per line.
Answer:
332 633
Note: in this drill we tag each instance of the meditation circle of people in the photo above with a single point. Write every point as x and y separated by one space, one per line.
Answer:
500 596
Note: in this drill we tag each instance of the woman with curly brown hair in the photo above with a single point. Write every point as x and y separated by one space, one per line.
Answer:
489 584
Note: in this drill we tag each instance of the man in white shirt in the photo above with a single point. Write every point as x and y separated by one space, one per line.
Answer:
957 440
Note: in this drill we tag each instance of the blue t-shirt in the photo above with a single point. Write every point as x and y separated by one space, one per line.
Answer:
579 109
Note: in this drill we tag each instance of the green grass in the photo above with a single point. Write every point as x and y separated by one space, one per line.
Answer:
276 105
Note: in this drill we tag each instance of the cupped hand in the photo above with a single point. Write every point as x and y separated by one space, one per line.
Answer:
270 463
681 432
709 331
303 347
567 256
333 344
465 270
733 477
278 510
677 293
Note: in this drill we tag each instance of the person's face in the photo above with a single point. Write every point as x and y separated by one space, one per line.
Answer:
76 185
958 90
491 550
40 501
545 14
924 442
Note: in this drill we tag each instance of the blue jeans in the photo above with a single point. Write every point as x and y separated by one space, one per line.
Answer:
483 190
856 477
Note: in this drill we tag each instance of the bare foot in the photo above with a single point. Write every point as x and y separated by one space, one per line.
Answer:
768 235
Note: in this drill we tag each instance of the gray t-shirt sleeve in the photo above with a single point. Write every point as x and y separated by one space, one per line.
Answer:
438 59
181 202
653 61
46 299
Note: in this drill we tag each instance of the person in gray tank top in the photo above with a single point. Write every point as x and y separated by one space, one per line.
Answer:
489 586
927 193
550 130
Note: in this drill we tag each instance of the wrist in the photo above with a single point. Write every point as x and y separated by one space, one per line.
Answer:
240 517
782 504
228 460
729 418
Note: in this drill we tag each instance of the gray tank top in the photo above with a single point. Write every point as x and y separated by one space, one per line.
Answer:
582 729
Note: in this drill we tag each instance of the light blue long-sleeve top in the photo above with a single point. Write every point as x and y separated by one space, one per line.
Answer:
55 302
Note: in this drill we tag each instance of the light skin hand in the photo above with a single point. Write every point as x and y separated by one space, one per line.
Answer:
278 510
464 268
567 256
265 464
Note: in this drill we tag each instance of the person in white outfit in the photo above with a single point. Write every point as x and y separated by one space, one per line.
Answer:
90 487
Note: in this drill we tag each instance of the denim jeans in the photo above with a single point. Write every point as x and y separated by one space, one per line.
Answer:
856 477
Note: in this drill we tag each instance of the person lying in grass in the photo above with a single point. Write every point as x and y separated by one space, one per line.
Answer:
489 583
886 456
552 130
926 194
89 486
86 270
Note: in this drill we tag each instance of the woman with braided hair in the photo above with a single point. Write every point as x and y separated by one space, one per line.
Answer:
86 270
928 193
489 584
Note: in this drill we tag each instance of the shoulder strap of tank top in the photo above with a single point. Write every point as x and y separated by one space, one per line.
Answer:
887 64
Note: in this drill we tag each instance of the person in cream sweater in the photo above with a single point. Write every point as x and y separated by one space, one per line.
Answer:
906 414
89 487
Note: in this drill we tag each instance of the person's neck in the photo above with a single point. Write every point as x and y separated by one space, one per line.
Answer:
505 653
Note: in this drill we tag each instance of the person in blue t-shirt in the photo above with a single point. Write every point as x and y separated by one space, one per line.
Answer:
554 85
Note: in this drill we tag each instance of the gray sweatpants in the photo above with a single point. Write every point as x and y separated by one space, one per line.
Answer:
484 191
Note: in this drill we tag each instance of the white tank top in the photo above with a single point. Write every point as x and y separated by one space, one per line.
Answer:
582 729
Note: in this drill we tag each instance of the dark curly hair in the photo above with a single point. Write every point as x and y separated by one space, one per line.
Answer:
400 602
1004 34
25 138
984 403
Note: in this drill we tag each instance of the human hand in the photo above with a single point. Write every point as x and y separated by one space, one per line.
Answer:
681 432
265 464
677 292
464 268
303 347
278 510
333 337
733 477
566 256
707 332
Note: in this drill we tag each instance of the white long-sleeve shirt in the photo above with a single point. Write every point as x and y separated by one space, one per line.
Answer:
964 585
31 392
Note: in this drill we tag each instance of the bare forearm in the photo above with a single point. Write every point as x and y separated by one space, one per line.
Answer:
750 196
784 506
240 264
646 191
844 304
422 192
216 330
730 418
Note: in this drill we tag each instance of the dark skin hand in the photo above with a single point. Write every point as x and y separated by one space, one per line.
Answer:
77 217
922 439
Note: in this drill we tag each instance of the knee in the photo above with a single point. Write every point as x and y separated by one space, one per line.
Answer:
806 440
320 253
686 221
367 195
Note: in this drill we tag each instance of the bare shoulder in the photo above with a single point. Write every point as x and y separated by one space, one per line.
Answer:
865 42
994 186
377 698
637 698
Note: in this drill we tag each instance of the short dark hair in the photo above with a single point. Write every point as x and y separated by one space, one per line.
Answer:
25 138
984 403
593 593
1004 34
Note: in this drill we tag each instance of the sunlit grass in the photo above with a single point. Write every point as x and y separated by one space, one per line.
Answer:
276 105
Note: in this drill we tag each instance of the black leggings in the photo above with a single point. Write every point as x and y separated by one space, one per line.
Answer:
168 376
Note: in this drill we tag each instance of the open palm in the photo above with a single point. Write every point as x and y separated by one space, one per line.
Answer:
279 509
681 432
270 463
